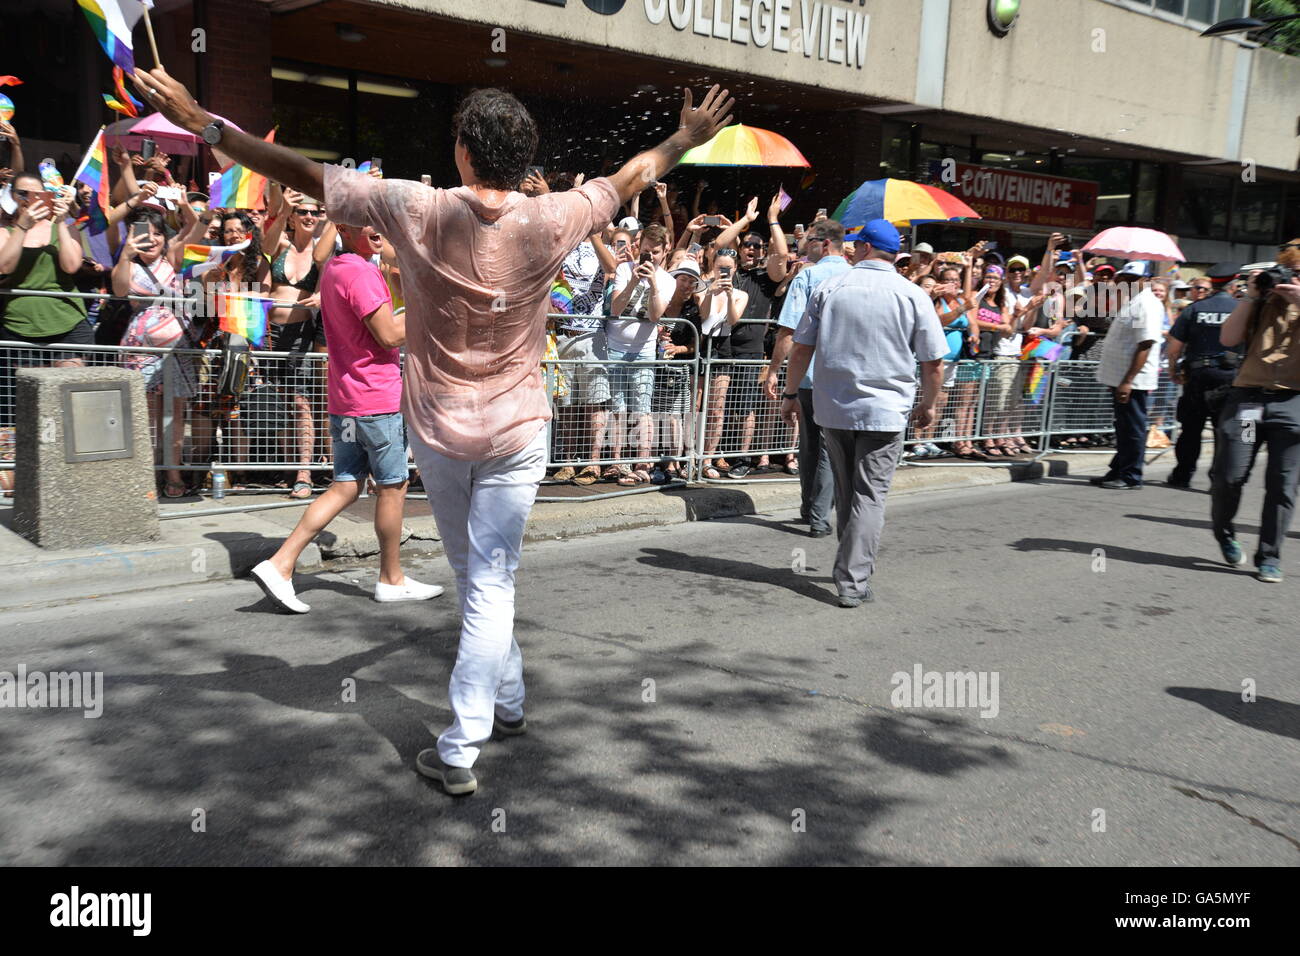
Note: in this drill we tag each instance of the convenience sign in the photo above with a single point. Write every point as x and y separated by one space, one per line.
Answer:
1008 195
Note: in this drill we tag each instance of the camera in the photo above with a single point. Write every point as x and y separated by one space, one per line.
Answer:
1277 275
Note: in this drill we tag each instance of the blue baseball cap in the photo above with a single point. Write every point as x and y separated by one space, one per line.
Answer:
880 233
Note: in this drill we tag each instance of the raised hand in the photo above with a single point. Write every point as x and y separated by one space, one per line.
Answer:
774 208
702 123
751 211
171 98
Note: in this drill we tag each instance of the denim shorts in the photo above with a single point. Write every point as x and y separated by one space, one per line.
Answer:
373 445
631 386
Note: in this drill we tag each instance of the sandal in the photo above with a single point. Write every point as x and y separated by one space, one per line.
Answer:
637 476
993 451
792 468
588 476
169 490
564 475
711 473
301 490
613 473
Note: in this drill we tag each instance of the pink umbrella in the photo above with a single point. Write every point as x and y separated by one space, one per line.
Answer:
128 133
1131 242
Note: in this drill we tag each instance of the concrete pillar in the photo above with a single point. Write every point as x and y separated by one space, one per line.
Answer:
84 472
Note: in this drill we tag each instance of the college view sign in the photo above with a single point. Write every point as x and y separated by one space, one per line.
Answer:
834 32
1008 195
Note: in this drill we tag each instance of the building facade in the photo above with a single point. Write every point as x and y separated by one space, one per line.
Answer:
1113 111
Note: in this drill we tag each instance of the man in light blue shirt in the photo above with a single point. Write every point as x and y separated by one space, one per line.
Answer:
825 247
867 329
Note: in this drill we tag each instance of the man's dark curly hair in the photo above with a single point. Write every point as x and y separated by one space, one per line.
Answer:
499 134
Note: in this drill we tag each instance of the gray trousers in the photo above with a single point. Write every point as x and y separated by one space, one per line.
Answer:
815 488
1239 443
863 464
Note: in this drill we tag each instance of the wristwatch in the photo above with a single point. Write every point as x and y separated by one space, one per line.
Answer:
790 396
212 132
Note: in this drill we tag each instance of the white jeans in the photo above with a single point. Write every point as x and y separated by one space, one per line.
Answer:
481 508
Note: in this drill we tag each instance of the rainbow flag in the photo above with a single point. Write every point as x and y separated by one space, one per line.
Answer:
1040 348
1036 383
123 102
243 315
198 259
365 168
112 22
561 297
93 171
238 187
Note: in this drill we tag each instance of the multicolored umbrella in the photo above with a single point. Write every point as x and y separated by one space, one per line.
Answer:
741 145
1132 242
902 202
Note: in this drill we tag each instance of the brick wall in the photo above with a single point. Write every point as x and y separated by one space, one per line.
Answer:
237 66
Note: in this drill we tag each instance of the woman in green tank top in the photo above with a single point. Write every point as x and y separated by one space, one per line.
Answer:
38 252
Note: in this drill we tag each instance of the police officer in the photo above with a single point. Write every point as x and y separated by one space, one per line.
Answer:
1207 368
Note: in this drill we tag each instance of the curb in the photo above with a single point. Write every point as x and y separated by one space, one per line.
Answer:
189 553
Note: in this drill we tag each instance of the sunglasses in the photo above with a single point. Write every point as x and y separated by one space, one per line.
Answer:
23 194
309 213
752 245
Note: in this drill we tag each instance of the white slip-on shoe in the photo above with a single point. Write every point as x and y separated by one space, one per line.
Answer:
409 590
279 590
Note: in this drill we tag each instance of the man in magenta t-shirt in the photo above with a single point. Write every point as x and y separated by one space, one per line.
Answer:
365 398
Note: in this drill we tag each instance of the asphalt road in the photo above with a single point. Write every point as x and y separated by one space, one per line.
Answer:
767 736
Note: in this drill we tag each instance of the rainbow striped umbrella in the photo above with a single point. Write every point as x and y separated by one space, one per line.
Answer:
741 145
902 202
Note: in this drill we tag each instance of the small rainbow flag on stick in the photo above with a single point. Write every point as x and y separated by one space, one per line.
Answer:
92 172
123 102
112 22
243 315
198 259
238 187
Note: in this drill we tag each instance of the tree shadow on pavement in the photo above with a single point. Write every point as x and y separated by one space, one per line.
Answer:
1117 553
746 571
721 769
1264 713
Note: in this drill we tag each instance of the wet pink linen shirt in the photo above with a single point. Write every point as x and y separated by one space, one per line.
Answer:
476 280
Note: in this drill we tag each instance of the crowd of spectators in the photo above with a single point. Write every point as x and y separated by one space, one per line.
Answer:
635 305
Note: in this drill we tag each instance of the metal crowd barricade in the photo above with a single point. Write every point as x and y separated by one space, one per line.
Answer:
736 419
695 409
620 413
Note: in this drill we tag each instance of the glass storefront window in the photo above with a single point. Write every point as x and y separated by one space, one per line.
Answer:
895 143
1255 217
1171 6
1114 178
1148 194
1204 209
1202 11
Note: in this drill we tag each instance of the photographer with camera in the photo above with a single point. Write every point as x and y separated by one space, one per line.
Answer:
1205 372
1263 407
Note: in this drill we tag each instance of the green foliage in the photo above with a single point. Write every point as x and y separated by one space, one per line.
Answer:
1285 37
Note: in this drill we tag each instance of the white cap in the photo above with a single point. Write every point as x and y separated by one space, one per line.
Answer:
924 247
630 224
1137 267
